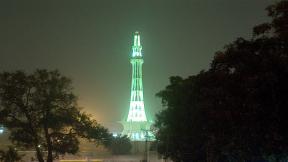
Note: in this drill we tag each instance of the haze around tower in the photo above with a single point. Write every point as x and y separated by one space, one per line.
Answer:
90 42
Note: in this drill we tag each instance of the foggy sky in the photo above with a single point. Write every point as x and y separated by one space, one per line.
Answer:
90 42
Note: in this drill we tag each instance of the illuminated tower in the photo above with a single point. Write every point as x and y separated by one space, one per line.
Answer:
136 110
136 123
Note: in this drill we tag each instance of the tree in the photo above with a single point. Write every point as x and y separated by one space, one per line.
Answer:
180 125
10 155
236 110
41 113
120 145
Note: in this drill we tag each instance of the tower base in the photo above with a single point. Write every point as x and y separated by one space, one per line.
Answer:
138 131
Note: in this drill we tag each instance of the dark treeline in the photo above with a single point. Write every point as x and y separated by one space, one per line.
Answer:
236 111
41 113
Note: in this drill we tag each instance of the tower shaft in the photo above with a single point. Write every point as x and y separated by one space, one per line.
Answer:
136 110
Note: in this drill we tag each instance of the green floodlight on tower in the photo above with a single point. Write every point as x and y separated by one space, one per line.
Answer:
136 120
136 110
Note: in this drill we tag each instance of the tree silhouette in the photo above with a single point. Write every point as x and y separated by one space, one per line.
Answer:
41 113
10 155
236 110
120 145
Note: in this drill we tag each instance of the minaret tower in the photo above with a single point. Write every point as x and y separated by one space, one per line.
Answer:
136 123
136 110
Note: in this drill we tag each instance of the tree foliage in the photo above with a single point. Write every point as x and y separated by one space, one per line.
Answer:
41 113
10 155
236 110
120 145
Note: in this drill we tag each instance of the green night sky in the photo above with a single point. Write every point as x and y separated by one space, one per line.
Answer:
90 42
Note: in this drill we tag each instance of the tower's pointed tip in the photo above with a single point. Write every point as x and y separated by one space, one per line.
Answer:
137 39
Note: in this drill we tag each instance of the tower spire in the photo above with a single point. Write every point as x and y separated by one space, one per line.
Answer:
137 39
136 48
